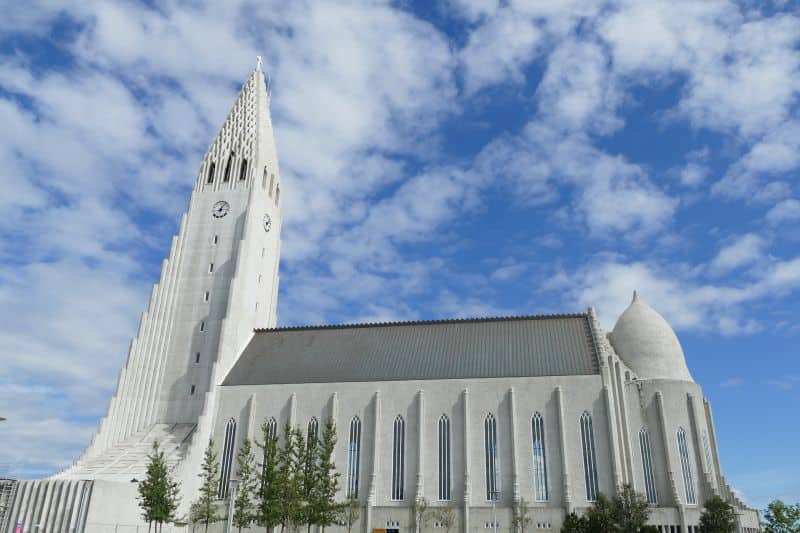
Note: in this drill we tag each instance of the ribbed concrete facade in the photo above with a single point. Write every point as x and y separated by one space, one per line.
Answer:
548 409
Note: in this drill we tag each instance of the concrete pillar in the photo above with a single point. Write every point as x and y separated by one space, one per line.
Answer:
373 479
512 414
467 480
420 492
562 434
616 467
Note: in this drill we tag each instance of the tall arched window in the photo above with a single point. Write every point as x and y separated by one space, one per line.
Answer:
589 456
686 467
227 175
539 458
647 465
211 168
227 458
353 457
492 463
444 458
398 458
313 431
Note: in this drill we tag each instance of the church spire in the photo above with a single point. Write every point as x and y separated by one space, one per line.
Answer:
243 142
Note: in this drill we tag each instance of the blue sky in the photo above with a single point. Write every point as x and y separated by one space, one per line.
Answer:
439 159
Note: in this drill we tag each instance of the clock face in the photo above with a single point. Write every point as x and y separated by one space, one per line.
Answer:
220 209
267 223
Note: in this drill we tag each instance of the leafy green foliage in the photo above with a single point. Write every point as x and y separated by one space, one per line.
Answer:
782 518
421 513
630 510
268 490
326 480
349 513
204 510
626 513
446 516
244 511
158 492
521 519
717 517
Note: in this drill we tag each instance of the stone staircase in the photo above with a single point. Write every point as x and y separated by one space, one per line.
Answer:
128 459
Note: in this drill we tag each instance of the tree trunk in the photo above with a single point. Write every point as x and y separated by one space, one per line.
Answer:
206 525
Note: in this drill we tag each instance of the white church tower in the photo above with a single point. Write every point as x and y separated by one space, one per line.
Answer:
219 283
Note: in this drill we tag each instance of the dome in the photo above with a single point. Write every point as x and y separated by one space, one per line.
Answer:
647 343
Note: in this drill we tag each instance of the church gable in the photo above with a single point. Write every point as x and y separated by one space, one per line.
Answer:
454 349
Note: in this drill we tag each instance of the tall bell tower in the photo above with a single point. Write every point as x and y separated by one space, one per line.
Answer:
219 282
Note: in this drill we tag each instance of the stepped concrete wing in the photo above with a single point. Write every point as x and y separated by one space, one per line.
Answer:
454 349
647 343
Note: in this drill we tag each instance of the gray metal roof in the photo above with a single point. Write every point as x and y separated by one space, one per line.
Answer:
556 345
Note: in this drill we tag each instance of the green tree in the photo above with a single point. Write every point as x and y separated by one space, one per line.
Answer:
717 517
446 516
574 524
244 511
421 513
205 507
349 513
268 488
289 479
158 492
600 516
782 518
311 478
630 510
521 519
327 480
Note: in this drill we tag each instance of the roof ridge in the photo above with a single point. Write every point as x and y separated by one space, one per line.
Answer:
358 325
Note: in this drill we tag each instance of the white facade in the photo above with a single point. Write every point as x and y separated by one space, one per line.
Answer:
650 423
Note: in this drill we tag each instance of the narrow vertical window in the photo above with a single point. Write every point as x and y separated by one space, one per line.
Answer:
191 390
589 456
210 268
215 240
444 458
707 449
353 457
686 467
647 465
539 458
243 170
205 296
271 184
227 458
197 357
264 179
211 168
490 449
277 194
398 458
313 431
202 325
227 176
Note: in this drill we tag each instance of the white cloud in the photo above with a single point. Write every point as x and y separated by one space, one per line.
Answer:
745 250
785 211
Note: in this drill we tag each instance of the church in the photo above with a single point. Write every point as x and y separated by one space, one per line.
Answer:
476 414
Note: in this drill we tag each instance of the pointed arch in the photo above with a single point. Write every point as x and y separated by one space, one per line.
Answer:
647 467
444 458
540 490
353 457
491 454
272 433
227 458
686 468
398 458
589 456
313 430
227 176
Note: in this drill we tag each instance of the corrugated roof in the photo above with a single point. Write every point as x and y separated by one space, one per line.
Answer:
554 345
